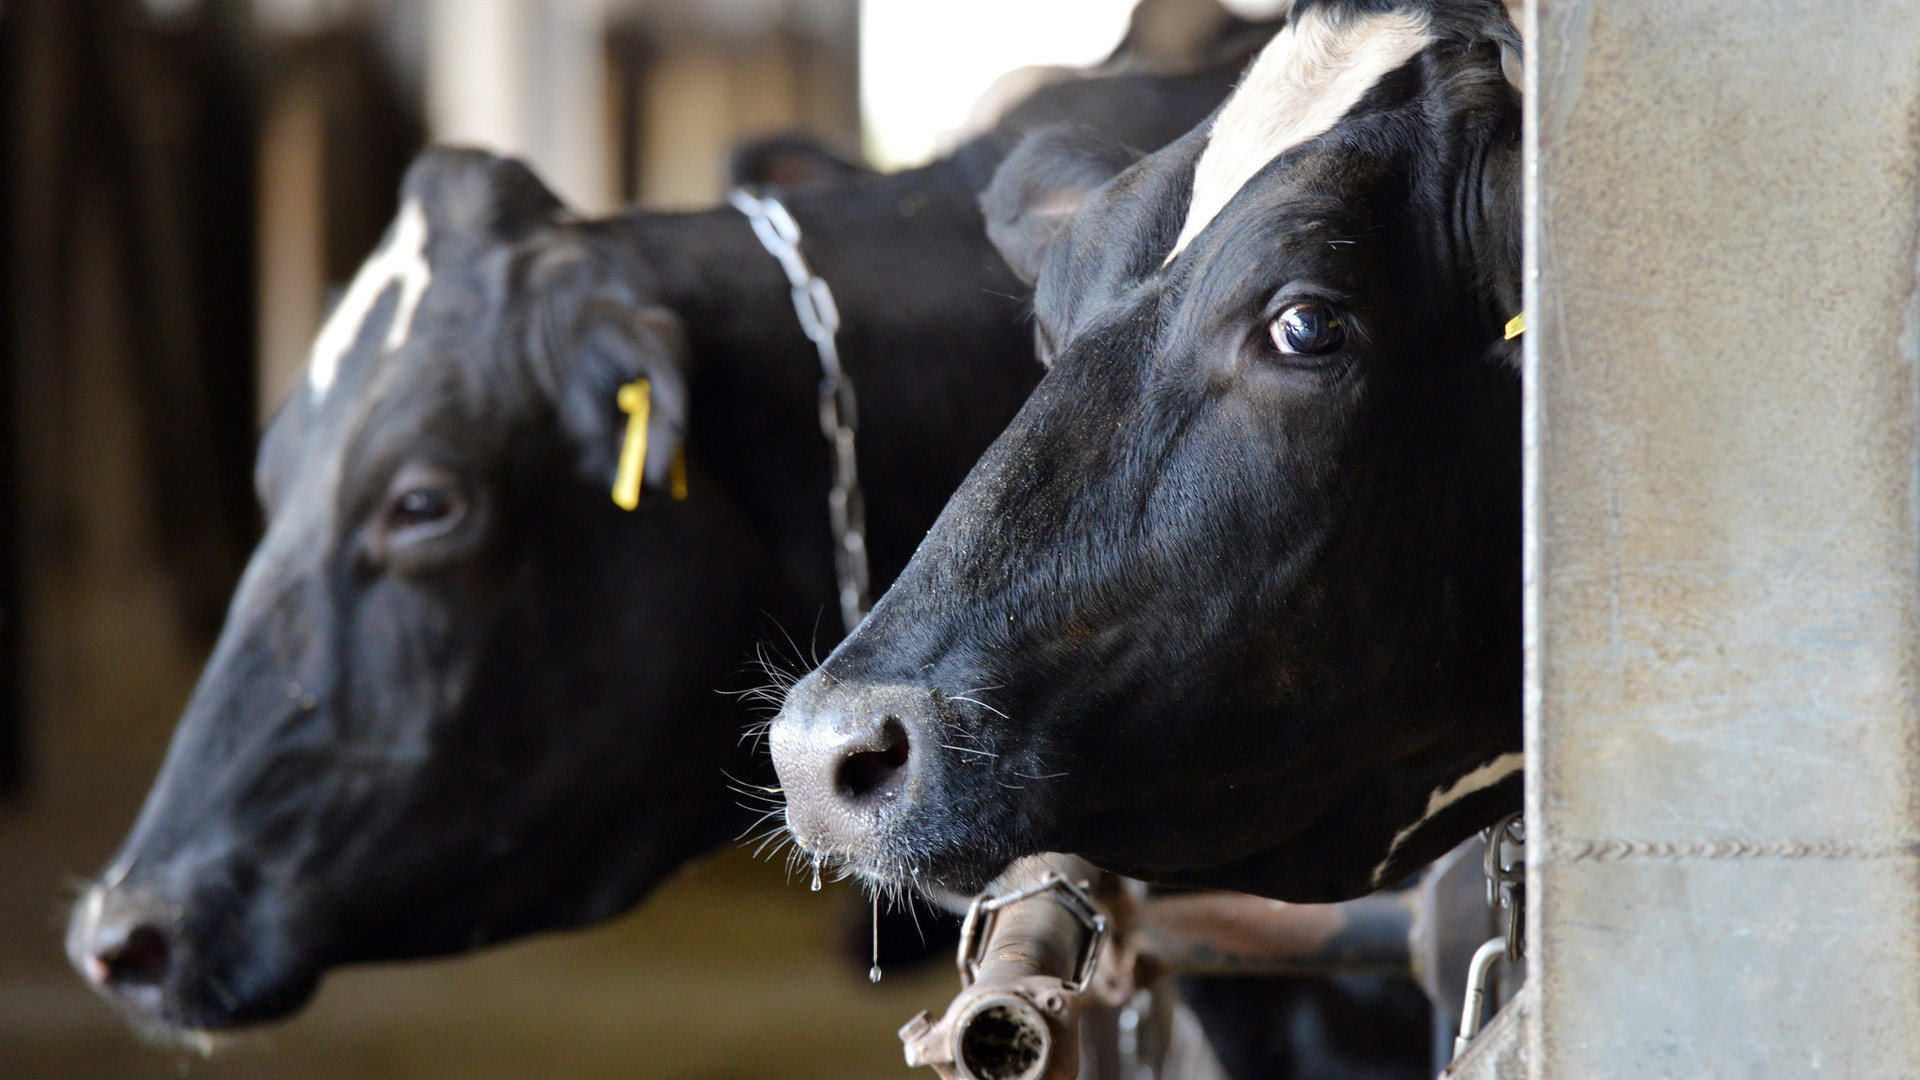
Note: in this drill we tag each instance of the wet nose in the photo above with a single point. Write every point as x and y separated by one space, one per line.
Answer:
872 766
121 947
843 763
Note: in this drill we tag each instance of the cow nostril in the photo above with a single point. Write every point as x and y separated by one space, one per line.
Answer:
867 773
138 960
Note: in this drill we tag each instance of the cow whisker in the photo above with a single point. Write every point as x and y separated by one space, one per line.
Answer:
771 694
770 831
988 754
982 704
757 822
795 855
765 795
760 840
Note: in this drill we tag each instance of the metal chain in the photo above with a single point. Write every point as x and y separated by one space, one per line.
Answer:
839 419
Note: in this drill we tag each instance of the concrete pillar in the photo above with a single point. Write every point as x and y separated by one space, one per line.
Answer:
527 78
1724 618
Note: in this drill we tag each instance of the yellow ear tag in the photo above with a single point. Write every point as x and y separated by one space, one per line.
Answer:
677 474
1516 326
634 399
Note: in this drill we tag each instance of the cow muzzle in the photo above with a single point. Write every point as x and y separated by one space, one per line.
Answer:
144 944
123 944
851 760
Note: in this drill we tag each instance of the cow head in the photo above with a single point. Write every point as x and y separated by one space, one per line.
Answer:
460 695
1234 602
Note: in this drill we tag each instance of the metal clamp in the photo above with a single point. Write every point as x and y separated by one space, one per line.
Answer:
1507 879
839 416
978 928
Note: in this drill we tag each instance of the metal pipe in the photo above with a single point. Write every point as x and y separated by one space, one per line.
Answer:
1233 934
1028 949
1025 956
1476 1004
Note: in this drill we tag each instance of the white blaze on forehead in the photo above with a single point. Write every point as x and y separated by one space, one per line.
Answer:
403 258
1313 72
1258 10
1479 779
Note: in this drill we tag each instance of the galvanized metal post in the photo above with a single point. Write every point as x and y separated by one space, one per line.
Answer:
1724 617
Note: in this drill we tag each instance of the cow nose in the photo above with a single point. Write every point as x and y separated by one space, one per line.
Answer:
865 775
842 766
131 958
120 948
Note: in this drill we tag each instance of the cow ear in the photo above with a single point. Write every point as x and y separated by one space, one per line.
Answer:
1513 66
1498 245
478 194
609 348
790 163
1039 186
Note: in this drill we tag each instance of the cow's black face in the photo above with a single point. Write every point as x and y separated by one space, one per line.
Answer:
435 717
1234 602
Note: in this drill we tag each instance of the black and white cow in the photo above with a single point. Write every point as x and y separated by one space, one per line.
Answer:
460 695
1235 600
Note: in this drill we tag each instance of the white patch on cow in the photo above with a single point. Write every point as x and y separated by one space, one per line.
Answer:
403 259
1313 72
1258 10
1479 779
96 906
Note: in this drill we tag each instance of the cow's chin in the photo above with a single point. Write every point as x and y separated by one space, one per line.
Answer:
897 862
948 885
199 1009
210 964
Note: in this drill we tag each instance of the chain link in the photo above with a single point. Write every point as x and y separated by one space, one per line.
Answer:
839 418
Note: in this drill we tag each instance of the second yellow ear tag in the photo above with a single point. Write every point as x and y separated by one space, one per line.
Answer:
1516 326
677 475
636 400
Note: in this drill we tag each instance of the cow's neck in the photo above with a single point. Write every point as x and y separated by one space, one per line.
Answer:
933 336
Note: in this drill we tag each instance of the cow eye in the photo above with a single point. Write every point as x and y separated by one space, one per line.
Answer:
421 507
1307 329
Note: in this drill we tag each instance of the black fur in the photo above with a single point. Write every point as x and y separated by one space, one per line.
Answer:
792 163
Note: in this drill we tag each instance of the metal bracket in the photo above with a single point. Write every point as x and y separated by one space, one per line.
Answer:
1506 866
978 928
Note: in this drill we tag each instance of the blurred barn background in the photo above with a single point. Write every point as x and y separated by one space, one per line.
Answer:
186 184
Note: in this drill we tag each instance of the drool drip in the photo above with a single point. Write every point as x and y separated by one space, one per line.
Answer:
873 973
816 874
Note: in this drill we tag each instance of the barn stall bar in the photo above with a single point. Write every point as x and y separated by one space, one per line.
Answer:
1721 442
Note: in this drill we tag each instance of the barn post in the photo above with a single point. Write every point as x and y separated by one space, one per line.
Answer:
1722 548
